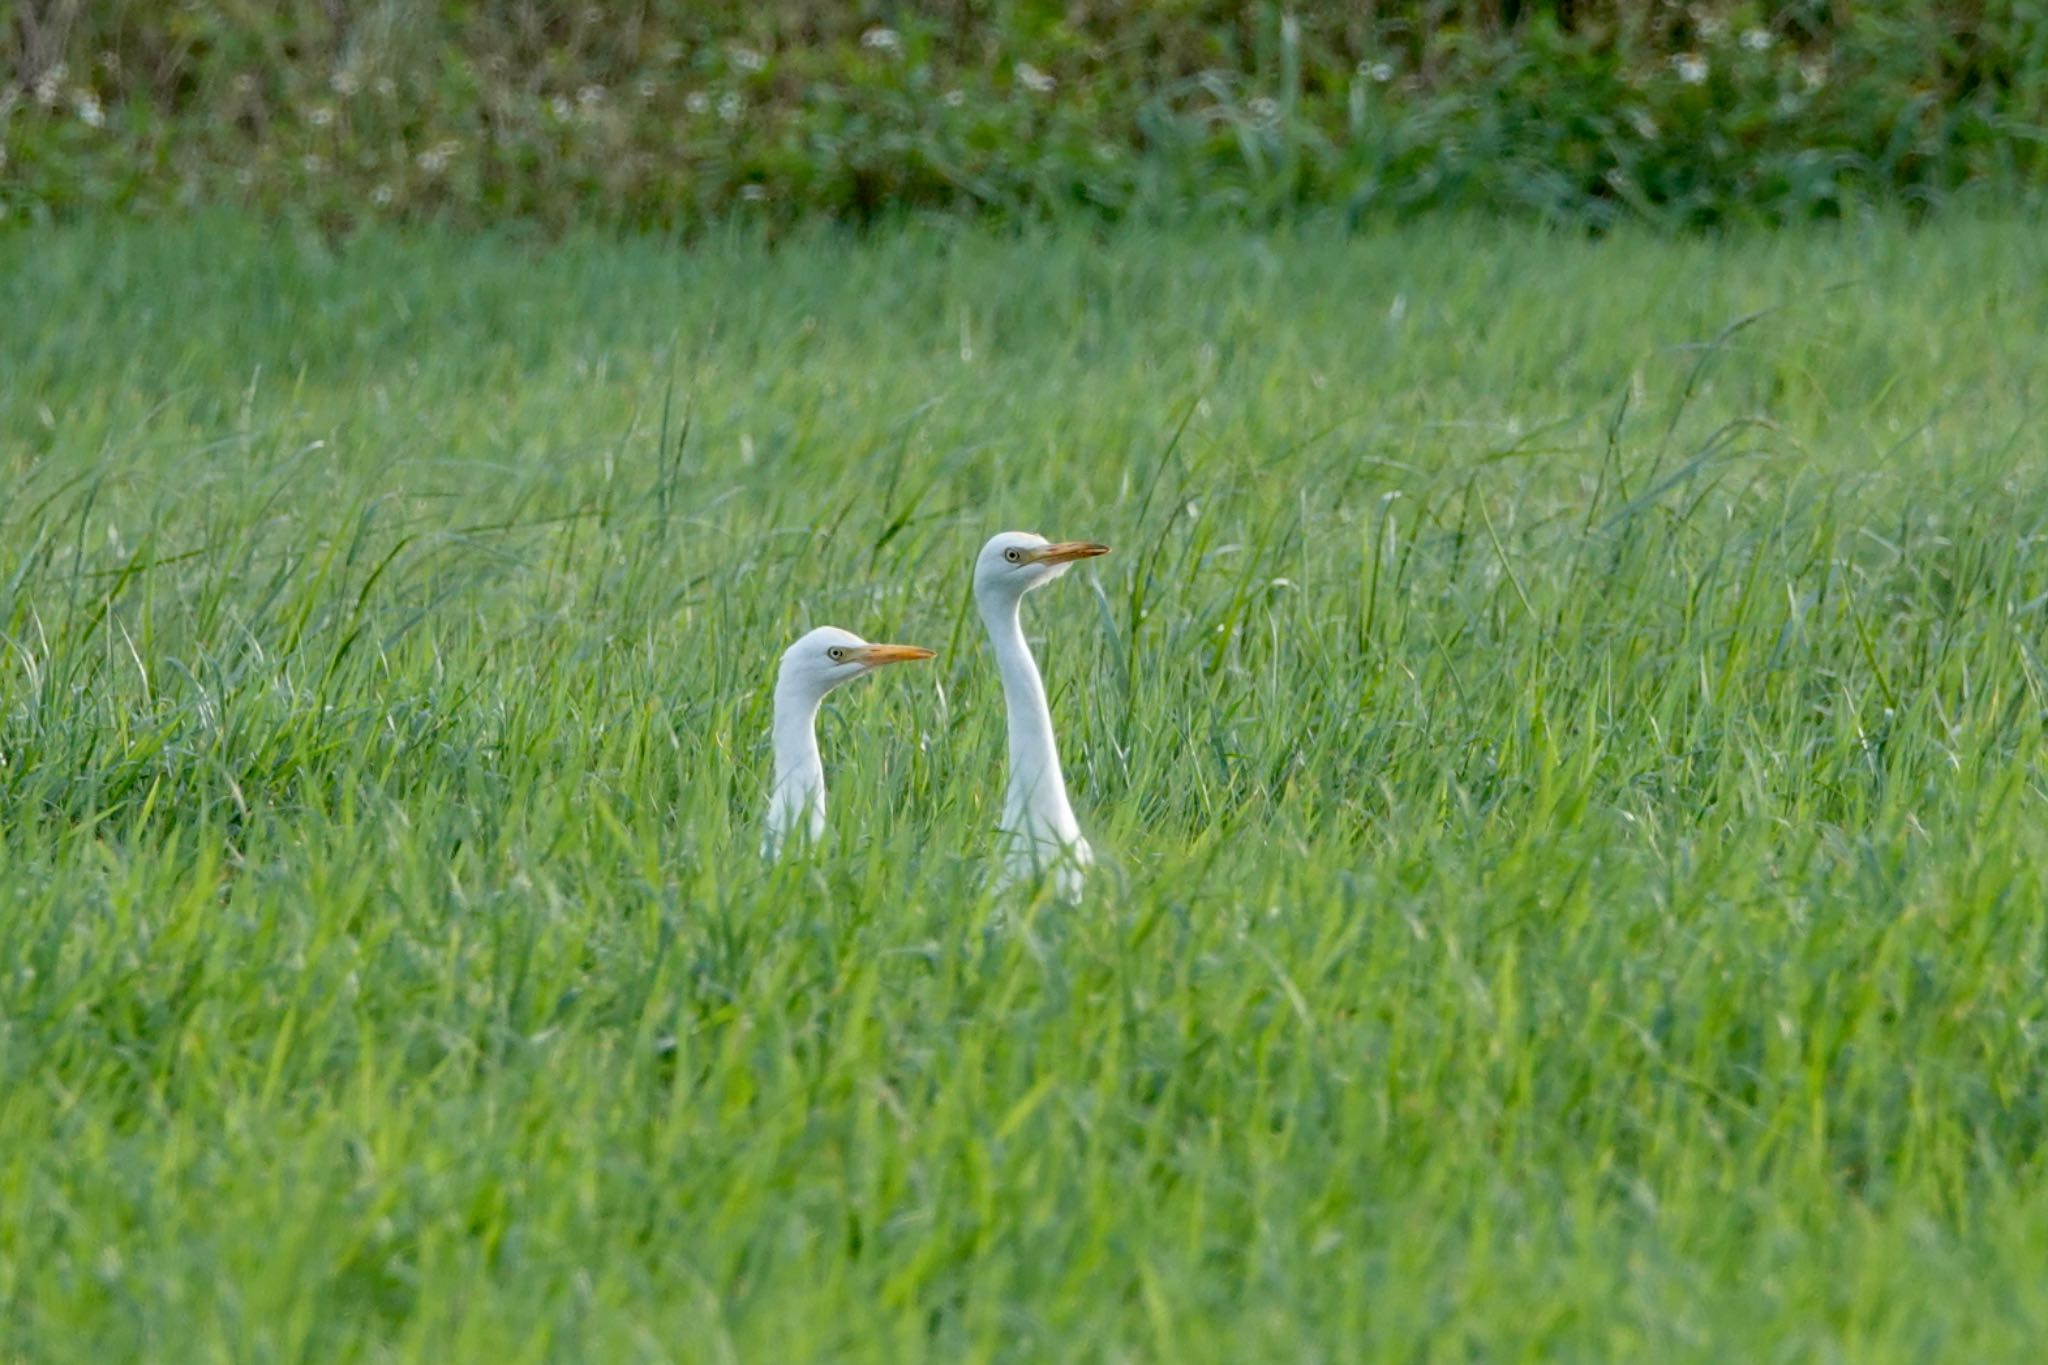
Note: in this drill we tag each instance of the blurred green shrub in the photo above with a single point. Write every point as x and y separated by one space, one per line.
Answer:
669 114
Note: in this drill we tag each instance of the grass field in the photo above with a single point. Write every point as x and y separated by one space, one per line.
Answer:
1565 728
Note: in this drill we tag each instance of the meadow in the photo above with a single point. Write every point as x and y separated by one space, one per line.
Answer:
1563 729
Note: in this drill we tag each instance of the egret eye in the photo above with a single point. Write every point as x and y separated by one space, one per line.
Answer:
835 653
1014 556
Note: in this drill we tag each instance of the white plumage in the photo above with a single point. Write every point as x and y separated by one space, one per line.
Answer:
1040 837
826 658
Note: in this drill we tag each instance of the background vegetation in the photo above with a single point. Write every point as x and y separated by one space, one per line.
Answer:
670 114
1565 725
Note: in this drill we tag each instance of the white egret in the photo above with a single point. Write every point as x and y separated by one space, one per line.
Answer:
1040 834
813 666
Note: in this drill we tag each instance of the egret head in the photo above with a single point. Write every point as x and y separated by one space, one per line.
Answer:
1015 562
829 656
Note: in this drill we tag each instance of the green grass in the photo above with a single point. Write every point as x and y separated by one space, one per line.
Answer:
1565 727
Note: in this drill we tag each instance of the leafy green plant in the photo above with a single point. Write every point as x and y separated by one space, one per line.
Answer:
679 115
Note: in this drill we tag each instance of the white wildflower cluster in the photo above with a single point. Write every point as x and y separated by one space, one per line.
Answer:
320 116
953 99
745 59
1032 79
731 106
1758 39
50 85
589 98
434 160
1379 73
382 196
697 102
49 92
344 82
1264 109
880 39
753 194
1691 67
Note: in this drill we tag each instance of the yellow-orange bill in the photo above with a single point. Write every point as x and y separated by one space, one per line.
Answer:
889 654
1063 551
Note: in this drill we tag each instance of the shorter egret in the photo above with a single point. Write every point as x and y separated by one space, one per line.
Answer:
1040 834
813 666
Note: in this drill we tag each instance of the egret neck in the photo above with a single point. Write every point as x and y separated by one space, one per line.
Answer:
1036 802
826 658
798 800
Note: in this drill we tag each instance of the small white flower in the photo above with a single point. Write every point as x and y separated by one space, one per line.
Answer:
697 102
590 96
731 106
1032 79
244 84
953 99
312 164
385 86
882 39
1691 67
1814 74
1713 26
1263 109
436 158
1757 39
1378 72
50 84
558 105
343 83
320 116
89 111
381 196
646 88
753 194
746 59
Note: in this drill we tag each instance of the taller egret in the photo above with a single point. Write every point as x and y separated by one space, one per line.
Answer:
1040 834
822 660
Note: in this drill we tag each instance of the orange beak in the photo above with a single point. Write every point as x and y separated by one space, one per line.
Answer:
1066 551
874 656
